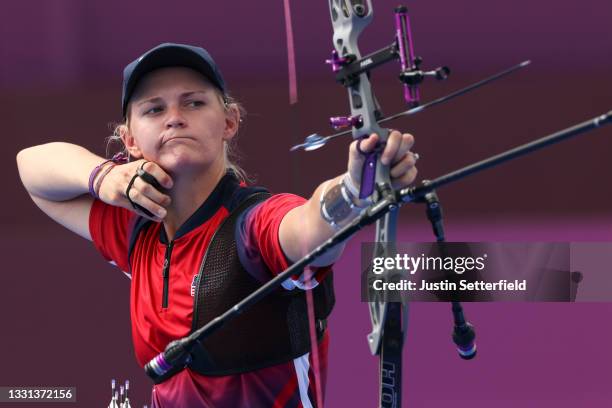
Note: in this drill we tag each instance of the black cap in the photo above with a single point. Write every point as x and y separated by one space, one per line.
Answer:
169 55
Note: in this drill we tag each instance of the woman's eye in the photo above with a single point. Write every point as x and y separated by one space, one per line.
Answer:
195 104
153 110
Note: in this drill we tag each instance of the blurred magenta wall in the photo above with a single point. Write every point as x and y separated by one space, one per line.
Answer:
65 312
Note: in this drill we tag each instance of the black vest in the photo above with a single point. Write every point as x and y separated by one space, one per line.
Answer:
271 332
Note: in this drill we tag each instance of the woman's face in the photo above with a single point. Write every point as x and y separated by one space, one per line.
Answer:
177 120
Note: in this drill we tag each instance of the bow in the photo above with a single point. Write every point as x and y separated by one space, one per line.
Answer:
389 320
349 19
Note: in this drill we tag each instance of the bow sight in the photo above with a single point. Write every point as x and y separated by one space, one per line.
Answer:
349 67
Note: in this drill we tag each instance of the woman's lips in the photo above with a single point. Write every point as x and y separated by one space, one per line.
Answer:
169 139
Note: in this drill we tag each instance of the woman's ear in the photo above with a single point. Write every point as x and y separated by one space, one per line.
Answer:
232 121
130 142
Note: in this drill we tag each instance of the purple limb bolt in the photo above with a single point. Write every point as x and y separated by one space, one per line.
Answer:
336 61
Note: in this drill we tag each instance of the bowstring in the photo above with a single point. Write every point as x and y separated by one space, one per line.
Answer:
293 99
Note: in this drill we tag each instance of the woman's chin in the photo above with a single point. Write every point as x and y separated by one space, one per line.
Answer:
184 163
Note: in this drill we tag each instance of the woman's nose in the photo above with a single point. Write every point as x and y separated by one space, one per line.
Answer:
175 119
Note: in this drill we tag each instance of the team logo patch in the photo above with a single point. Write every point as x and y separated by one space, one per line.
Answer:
193 285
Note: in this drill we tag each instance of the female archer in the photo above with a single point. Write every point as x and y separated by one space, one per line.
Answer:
181 220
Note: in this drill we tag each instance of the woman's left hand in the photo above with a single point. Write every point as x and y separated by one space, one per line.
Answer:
396 154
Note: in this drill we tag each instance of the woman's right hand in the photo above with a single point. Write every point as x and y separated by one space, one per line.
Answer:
114 185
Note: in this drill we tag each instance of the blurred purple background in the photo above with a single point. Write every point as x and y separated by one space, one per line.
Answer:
65 318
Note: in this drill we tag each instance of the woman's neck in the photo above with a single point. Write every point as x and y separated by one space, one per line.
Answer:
188 192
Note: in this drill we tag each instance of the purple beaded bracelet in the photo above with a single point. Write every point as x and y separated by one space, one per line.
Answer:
116 159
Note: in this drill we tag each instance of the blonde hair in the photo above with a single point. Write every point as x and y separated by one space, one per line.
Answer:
231 155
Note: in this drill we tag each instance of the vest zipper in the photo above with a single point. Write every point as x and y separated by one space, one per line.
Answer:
166 274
